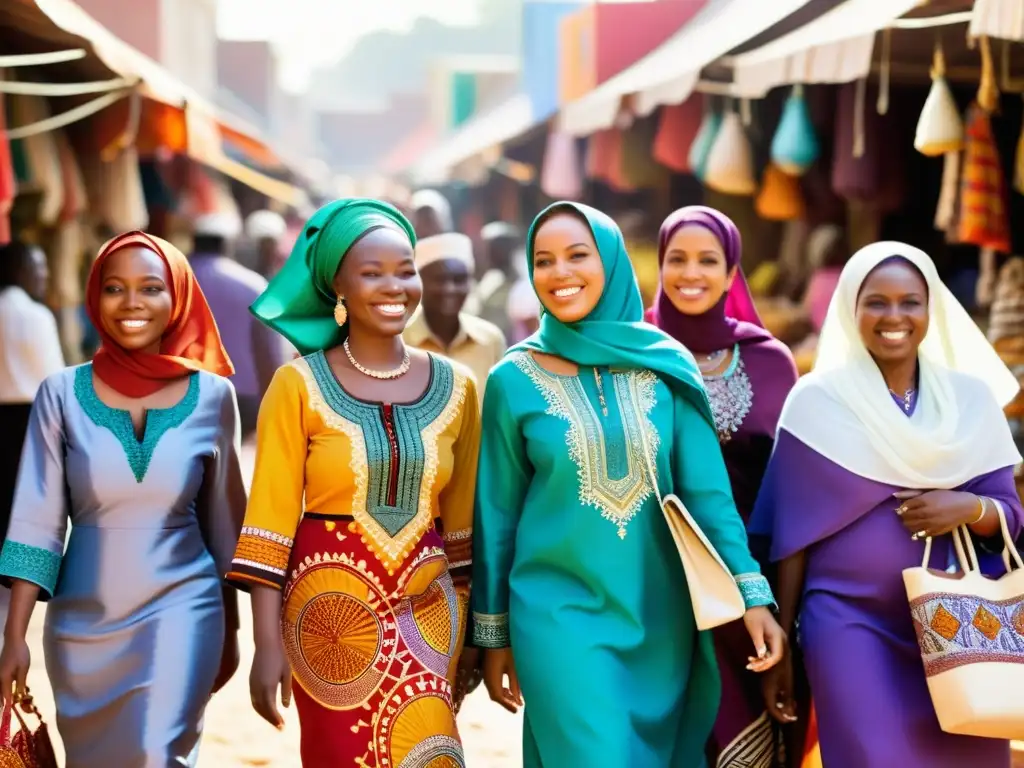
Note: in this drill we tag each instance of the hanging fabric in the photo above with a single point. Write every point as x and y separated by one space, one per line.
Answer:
939 129
1018 164
42 156
795 144
780 198
700 149
637 164
560 176
730 164
8 184
678 126
984 220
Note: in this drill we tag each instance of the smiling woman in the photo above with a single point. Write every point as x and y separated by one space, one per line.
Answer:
357 538
139 450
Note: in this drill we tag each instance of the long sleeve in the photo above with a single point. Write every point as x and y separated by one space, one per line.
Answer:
456 499
221 503
503 477
275 498
39 516
702 483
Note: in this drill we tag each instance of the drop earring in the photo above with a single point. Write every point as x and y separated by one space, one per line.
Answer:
340 313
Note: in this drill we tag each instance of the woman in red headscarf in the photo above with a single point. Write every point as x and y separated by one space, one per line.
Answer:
139 449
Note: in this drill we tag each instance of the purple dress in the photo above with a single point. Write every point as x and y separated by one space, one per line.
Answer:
859 646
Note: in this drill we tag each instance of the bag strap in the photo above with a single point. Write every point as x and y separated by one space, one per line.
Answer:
651 473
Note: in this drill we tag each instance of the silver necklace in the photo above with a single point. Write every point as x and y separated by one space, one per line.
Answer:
394 373
908 397
712 362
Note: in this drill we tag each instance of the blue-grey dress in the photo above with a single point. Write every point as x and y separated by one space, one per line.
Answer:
135 626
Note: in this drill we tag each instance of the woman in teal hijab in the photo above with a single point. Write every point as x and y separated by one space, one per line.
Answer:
578 590
356 541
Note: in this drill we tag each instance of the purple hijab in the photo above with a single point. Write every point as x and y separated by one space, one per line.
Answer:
734 319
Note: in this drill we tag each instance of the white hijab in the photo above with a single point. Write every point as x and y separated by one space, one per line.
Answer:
844 411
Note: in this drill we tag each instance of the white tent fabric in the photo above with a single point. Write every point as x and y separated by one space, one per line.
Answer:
669 73
836 47
506 121
998 18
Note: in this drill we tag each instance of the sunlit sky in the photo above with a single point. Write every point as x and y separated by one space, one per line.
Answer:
314 33
309 34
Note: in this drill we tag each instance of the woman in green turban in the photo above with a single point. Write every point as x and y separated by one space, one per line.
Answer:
578 590
356 542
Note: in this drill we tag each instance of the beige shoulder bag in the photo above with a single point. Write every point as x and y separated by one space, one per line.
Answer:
971 633
716 598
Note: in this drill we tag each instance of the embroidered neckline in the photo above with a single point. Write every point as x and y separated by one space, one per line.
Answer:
119 421
391 530
731 396
618 500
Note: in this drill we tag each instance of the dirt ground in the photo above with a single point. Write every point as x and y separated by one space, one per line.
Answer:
235 737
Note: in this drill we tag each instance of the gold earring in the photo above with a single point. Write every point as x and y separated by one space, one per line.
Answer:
340 313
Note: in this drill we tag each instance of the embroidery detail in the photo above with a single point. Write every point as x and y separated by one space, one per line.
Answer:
755 590
263 550
490 630
458 547
755 747
957 630
158 420
35 564
392 503
731 397
435 750
590 449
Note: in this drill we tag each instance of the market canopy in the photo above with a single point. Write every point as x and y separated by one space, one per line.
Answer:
669 74
998 18
487 131
836 47
62 25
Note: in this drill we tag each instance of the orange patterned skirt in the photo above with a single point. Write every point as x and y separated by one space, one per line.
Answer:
372 653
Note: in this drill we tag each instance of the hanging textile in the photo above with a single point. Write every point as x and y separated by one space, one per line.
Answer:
983 218
118 199
8 184
678 125
638 165
560 177
41 156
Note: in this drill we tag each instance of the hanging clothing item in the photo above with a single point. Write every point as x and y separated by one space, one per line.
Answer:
560 176
678 125
983 219
42 156
8 183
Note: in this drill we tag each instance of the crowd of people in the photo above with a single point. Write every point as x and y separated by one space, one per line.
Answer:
460 470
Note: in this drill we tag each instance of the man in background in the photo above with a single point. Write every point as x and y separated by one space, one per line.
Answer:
431 213
265 230
489 300
29 352
230 289
445 264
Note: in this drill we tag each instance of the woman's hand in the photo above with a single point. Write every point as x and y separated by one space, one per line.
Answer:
768 637
498 664
933 513
229 660
466 675
777 688
14 663
270 671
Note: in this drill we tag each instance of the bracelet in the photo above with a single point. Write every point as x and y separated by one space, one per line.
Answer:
984 510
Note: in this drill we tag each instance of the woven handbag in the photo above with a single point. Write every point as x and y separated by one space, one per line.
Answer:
971 633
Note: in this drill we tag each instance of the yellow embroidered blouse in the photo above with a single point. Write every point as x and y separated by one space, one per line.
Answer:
398 470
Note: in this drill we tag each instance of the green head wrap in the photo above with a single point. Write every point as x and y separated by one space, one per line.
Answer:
299 302
614 334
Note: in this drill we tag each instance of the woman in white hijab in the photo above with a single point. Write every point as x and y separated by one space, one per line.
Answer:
896 436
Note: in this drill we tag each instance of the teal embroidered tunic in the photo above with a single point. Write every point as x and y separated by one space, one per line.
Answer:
575 568
135 623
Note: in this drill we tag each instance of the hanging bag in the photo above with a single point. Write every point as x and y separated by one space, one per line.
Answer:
971 633
716 598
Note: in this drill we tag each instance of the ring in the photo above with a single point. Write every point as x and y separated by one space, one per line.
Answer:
900 510
779 705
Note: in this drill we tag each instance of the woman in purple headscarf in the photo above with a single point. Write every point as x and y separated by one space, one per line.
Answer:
703 302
